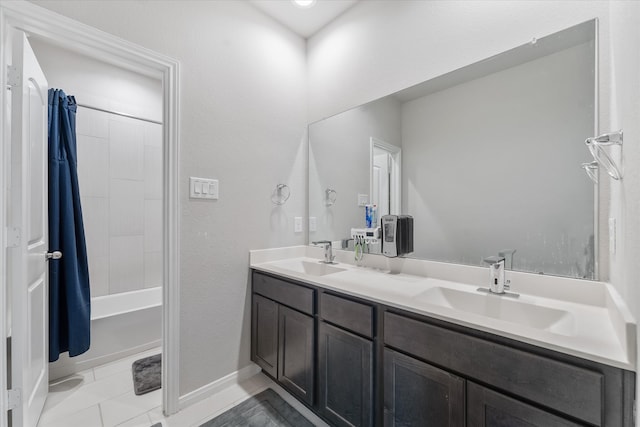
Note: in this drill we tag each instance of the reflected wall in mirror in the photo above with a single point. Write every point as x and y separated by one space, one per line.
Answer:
490 158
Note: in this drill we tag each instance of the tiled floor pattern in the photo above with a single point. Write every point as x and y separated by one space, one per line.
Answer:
104 397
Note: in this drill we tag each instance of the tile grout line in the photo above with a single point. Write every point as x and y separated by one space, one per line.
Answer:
59 417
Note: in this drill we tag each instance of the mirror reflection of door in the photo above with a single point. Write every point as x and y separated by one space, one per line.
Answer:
385 177
381 180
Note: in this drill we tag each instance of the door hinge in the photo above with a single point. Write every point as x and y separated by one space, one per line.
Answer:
14 78
13 237
14 398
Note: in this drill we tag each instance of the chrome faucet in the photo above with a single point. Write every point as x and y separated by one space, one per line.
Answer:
496 274
328 252
498 283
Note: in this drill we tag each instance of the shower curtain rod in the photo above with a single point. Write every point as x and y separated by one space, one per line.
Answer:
118 113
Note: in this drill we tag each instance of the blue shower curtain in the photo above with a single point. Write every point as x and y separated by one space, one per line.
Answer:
69 298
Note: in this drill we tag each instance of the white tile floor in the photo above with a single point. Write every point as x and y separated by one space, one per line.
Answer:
104 397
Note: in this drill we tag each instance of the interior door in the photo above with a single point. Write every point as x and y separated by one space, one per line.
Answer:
381 182
27 267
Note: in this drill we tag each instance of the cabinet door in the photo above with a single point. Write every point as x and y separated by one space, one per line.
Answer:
295 355
418 394
264 334
487 408
345 377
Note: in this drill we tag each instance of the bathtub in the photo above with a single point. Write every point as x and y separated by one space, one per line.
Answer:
121 325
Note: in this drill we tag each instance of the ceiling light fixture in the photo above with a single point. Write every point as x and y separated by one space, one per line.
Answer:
304 4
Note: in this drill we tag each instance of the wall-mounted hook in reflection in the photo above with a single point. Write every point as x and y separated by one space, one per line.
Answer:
330 196
596 146
281 194
591 169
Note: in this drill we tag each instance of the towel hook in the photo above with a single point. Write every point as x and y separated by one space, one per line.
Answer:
281 194
596 146
330 196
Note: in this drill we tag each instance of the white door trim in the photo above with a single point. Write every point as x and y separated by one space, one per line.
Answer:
396 172
90 41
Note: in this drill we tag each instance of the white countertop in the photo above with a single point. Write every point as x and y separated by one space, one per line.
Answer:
595 323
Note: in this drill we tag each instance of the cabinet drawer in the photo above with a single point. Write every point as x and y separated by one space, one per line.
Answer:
287 293
351 315
487 408
569 389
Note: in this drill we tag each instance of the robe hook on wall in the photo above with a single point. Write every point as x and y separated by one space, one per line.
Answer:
330 196
591 168
281 194
602 159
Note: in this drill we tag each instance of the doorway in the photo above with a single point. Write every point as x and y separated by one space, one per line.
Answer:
50 27
385 187
119 154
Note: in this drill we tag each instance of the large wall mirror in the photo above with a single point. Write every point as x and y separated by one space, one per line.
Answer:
487 159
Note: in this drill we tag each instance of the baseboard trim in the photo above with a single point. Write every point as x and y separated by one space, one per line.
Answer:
66 366
210 389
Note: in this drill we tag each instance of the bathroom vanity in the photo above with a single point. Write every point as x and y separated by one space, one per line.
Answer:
392 344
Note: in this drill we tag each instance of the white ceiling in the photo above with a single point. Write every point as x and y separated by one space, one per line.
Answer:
304 22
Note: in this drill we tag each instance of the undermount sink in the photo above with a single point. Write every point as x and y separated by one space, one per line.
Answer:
312 268
502 308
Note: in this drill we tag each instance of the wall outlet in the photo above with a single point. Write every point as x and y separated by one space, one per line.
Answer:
297 224
313 223
363 199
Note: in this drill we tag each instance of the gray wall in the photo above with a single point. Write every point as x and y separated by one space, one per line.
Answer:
494 163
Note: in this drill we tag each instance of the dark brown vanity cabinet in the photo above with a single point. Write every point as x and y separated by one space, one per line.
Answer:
359 363
283 333
296 353
520 384
264 334
487 408
345 361
418 394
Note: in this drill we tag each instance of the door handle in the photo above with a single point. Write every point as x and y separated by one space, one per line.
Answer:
53 255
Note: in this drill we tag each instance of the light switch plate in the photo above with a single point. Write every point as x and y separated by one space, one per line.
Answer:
363 199
203 188
297 224
312 223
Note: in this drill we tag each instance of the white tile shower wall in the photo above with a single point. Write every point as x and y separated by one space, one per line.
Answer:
126 208
93 123
153 171
120 174
152 269
93 164
126 263
126 149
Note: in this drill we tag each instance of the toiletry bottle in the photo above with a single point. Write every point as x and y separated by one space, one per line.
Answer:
374 216
368 211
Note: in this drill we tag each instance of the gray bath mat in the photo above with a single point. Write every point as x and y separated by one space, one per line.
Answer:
146 374
266 409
